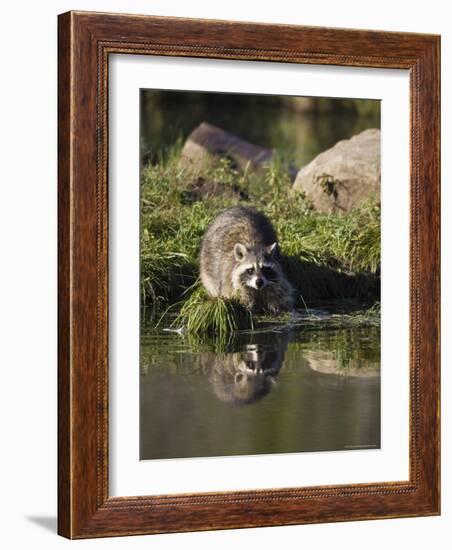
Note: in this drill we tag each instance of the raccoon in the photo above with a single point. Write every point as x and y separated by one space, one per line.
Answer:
240 258
244 377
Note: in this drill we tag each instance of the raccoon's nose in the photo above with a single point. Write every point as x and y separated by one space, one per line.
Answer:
259 283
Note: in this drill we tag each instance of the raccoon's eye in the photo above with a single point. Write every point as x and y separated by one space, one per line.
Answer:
250 270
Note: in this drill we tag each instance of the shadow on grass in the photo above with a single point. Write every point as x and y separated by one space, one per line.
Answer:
315 282
168 285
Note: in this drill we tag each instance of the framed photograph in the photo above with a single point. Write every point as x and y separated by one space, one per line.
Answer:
248 275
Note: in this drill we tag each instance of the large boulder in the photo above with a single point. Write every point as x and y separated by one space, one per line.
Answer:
341 178
207 144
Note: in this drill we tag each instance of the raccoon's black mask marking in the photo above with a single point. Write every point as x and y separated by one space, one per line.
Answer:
269 273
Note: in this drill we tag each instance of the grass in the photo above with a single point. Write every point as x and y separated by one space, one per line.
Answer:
325 256
217 318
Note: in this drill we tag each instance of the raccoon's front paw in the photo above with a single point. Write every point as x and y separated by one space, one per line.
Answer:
274 309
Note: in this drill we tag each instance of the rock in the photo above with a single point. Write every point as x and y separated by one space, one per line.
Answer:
341 178
207 144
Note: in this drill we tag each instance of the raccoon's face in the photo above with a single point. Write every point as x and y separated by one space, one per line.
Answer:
249 363
255 266
246 376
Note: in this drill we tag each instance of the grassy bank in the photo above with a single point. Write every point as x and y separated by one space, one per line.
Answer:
325 256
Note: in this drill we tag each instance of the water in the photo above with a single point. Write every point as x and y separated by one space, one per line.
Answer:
268 121
278 390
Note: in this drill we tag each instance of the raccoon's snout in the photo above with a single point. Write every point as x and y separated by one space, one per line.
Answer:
259 283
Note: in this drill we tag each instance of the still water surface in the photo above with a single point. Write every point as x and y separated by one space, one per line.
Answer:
278 390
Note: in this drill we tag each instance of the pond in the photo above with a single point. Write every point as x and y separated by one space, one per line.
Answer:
281 389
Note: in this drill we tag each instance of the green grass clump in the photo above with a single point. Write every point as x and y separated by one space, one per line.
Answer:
213 317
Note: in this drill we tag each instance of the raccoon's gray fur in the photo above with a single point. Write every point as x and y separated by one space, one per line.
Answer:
240 258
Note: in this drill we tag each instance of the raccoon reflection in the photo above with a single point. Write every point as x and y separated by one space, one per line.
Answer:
240 258
244 377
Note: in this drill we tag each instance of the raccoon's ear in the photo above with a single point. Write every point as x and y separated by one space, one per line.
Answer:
271 249
239 252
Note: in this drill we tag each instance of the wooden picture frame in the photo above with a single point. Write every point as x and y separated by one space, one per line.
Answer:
85 42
